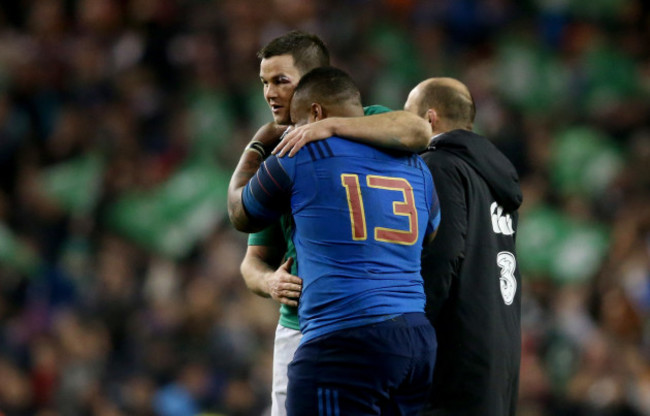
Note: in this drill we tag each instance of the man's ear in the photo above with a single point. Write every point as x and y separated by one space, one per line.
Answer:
316 112
432 118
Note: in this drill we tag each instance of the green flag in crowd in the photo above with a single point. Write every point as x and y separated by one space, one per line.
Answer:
171 218
584 162
552 244
15 254
75 184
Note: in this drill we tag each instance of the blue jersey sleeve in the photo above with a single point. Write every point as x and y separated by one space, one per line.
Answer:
268 194
434 207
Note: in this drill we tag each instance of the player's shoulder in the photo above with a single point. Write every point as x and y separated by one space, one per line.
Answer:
375 109
346 147
419 163
339 146
436 159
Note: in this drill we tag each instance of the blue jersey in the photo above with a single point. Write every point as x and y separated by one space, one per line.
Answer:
360 215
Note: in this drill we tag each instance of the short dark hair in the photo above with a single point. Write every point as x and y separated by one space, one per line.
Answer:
308 51
450 103
328 85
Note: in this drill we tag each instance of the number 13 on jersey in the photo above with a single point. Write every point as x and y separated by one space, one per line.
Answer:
404 207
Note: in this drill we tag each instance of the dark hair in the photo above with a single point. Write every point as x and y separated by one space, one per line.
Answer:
308 51
328 85
450 103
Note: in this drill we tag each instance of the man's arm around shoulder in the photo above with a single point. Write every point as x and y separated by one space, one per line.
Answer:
400 130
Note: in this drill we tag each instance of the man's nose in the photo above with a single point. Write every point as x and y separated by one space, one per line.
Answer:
271 92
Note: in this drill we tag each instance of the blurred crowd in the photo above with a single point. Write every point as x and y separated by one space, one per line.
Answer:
121 120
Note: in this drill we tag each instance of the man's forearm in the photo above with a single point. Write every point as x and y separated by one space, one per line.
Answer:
248 164
255 272
264 280
399 130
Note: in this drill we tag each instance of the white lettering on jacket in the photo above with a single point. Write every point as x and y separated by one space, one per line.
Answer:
501 223
507 263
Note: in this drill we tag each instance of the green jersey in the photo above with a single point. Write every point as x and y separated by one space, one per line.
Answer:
281 234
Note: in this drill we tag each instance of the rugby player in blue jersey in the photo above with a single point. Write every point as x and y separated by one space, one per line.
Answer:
361 216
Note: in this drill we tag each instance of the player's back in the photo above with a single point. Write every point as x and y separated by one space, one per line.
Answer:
361 214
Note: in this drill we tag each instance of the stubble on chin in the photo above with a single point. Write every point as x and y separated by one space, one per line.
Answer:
282 120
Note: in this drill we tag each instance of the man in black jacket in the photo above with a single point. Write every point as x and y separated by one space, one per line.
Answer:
470 270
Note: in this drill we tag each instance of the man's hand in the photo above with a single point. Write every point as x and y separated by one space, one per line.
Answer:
283 286
269 134
298 137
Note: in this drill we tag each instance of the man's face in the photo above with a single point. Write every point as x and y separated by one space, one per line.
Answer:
280 78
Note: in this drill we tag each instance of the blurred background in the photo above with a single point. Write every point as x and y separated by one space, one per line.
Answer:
121 121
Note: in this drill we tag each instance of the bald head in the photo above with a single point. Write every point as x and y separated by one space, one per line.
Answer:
445 102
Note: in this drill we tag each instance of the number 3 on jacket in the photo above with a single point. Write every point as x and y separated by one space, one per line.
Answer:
405 207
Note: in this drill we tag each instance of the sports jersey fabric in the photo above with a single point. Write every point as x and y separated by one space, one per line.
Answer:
361 214
280 232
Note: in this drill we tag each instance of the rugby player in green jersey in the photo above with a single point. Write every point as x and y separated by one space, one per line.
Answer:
268 267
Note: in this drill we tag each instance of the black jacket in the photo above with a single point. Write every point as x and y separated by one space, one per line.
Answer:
471 277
